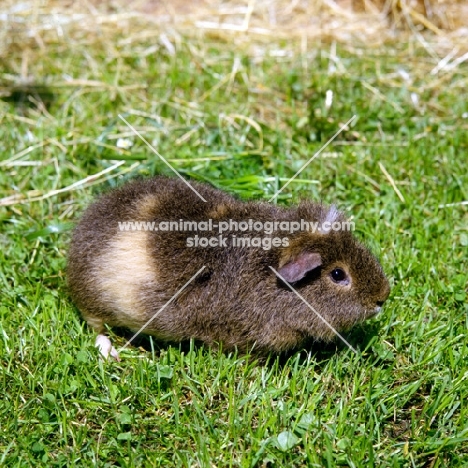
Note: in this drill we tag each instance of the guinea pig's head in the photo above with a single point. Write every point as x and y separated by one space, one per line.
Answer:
336 274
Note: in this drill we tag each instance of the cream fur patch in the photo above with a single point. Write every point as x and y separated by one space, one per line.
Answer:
147 207
122 269
220 211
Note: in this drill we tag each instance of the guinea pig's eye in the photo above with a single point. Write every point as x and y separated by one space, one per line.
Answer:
339 276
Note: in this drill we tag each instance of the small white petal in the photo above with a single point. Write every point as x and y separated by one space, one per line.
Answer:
124 143
103 343
328 98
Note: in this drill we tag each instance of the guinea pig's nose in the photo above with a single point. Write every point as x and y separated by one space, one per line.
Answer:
384 293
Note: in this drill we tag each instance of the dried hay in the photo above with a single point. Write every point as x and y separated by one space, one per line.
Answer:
30 27
248 21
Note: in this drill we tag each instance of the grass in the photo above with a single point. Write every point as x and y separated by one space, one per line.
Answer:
244 119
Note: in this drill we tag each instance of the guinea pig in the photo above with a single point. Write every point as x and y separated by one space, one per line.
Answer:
271 277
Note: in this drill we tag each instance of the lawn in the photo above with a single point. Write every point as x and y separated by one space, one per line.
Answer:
243 112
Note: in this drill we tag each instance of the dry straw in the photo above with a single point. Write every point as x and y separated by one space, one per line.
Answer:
29 27
35 22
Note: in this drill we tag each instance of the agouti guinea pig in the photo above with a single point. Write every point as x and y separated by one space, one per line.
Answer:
137 246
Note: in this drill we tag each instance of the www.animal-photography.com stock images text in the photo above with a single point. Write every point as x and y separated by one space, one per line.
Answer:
234 233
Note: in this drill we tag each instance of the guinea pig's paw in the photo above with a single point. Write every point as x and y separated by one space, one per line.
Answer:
103 343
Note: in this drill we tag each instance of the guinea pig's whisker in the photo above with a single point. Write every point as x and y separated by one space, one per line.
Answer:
313 310
155 151
162 308
343 127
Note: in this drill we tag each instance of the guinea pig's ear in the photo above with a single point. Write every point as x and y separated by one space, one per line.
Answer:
297 268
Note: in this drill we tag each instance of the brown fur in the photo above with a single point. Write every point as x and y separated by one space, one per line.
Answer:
124 278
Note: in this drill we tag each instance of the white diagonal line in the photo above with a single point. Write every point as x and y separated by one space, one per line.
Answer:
153 149
454 204
311 308
313 157
162 308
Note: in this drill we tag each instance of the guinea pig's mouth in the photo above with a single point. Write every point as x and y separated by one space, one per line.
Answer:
373 312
